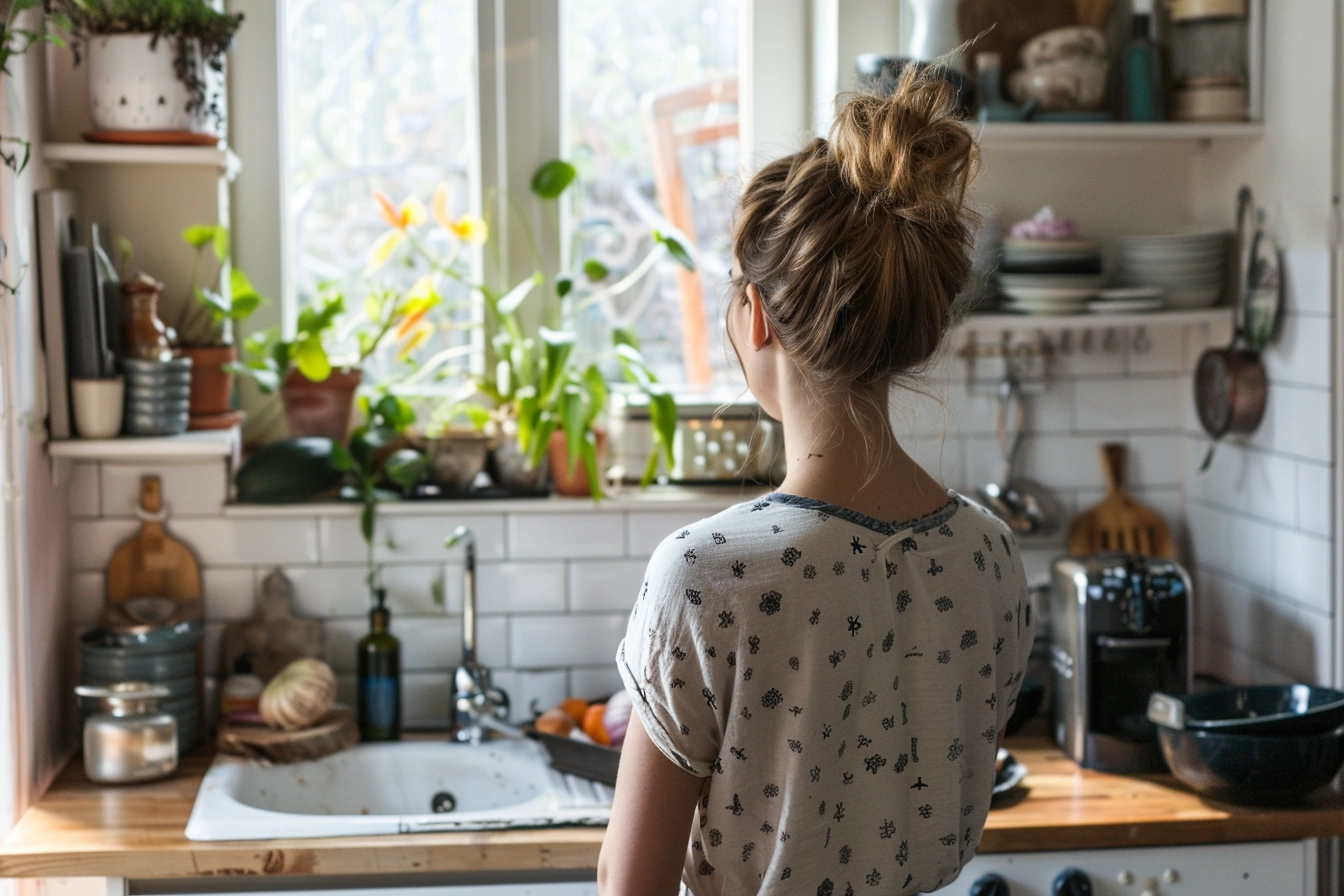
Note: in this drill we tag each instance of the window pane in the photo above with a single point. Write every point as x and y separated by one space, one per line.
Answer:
378 95
617 57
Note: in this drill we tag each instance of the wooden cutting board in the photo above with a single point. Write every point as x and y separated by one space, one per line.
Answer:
1119 523
153 564
274 637
335 732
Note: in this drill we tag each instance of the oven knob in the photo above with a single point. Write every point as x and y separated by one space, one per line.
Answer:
990 885
1071 882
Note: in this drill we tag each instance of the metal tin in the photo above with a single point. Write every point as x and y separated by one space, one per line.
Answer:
130 739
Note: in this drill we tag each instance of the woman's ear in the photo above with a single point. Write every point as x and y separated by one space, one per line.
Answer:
759 330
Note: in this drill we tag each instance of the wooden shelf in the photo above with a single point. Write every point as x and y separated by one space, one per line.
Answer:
220 157
1118 131
1001 322
188 446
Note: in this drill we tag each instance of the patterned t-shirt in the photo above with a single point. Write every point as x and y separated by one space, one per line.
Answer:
840 681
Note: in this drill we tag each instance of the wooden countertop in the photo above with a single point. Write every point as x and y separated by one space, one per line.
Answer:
84 830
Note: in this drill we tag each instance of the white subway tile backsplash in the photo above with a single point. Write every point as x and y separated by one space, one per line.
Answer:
1112 406
492 641
1267 488
562 536
426 701
410 538
1210 536
92 542
1302 569
322 591
222 541
1315 498
532 692
1307 279
594 682
428 642
1165 352
1297 640
228 593
646 530
1251 549
1062 461
83 491
188 489
540 642
1301 422
517 586
605 584
1301 354
1155 460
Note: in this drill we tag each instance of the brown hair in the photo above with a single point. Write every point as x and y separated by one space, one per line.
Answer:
859 244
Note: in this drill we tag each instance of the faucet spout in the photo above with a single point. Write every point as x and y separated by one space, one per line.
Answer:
475 701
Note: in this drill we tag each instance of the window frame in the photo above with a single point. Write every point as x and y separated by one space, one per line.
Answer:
520 120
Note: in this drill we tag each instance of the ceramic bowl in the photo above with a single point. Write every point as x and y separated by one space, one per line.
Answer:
159 639
1059 44
1066 85
1251 768
122 665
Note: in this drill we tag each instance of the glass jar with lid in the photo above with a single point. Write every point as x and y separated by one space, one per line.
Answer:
1209 53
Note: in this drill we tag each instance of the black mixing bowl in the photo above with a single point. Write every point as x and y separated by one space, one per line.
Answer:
1266 709
1252 768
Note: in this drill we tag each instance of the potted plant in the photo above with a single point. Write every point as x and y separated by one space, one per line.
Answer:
205 329
154 65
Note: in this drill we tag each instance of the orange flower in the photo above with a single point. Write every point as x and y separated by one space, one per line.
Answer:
417 338
411 212
439 206
409 322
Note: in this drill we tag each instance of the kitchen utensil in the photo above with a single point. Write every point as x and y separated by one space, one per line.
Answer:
152 563
1231 384
274 636
1260 709
97 406
333 733
1022 504
1119 523
1252 768
130 739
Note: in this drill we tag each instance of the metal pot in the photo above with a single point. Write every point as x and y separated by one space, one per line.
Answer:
130 739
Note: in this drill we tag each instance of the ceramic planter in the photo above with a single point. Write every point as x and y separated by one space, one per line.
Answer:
211 383
133 85
455 458
508 468
573 484
320 409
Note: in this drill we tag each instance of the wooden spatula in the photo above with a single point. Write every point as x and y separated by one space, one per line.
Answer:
153 564
1119 523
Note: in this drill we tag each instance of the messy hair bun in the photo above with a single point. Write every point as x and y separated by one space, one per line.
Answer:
859 244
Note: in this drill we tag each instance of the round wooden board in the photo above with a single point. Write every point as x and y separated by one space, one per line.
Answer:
336 731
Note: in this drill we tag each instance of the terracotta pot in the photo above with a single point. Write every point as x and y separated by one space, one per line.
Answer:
211 384
320 409
573 484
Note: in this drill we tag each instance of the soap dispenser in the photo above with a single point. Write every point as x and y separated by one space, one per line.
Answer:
1142 91
379 676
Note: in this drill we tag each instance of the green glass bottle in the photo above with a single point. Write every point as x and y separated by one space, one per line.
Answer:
379 676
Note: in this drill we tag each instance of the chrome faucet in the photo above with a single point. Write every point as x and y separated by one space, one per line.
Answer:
475 702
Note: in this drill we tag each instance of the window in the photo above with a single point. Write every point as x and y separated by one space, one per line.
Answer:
402 95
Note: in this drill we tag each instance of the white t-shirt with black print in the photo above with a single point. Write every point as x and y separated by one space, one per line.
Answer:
840 681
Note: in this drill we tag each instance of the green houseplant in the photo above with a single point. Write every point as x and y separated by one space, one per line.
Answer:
154 65
205 329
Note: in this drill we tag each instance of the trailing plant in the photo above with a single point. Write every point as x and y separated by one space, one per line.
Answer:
201 36
210 319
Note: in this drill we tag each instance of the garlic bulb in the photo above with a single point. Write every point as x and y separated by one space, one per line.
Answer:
299 695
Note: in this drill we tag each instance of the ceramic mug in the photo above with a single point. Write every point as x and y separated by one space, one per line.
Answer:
98 405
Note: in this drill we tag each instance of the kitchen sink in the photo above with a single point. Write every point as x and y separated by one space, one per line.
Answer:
394 788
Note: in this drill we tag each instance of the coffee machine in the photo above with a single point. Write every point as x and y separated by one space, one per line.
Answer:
1121 630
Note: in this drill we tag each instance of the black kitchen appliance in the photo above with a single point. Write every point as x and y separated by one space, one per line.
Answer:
1121 630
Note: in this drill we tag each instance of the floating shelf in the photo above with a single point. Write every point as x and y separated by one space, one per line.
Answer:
188 446
220 157
1003 323
1120 131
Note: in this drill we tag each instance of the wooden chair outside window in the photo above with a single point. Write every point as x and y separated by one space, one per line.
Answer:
677 120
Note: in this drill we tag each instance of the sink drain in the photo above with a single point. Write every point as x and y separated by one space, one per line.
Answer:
443 801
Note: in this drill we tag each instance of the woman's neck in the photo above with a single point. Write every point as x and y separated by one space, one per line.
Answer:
853 463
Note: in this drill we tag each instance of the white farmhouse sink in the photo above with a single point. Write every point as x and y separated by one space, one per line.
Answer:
394 788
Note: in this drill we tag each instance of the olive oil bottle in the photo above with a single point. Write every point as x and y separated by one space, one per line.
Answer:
379 676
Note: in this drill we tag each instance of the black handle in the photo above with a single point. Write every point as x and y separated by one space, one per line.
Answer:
1071 882
990 885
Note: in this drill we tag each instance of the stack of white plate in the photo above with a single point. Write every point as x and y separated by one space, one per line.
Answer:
1048 293
1049 276
1191 271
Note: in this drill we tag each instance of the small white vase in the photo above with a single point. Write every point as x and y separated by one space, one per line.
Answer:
935 31
133 87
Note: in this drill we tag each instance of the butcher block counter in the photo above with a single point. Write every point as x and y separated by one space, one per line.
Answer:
136 832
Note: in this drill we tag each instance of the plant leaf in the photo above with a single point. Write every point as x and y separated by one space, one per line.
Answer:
366 519
558 346
406 468
595 270
624 336
311 358
663 416
197 236
589 453
341 459
514 297
220 242
564 284
382 249
574 422
553 178
676 250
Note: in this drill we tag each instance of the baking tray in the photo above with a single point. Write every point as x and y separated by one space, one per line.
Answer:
574 757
